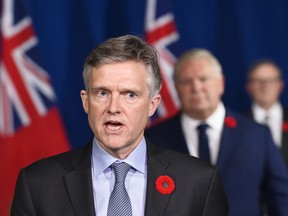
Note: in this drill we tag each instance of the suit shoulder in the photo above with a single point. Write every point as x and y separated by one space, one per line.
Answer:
59 163
164 125
246 121
182 161
186 159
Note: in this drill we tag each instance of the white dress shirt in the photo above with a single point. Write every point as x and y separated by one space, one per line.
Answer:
214 131
103 178
274 121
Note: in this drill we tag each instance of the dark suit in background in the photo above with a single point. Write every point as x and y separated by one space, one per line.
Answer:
284 140
248 161
247 158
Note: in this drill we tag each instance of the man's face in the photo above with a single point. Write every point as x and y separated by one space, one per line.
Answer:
118 106
265 85
199 87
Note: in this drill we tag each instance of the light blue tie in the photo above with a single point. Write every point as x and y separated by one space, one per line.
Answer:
119 202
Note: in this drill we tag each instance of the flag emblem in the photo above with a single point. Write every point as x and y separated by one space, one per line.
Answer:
161 32
23 83
30 124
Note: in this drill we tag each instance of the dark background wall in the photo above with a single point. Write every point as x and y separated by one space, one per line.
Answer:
238 32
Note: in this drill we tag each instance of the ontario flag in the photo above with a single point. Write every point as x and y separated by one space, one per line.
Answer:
161 32
30 124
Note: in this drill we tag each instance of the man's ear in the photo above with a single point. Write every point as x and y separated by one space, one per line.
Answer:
154 103
84 98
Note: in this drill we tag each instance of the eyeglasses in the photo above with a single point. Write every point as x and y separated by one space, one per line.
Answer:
268 81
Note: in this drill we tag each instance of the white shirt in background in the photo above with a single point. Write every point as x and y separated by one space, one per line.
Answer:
274 120
215 122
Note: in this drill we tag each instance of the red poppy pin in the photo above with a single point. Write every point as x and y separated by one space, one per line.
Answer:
165 184
285 126
230 122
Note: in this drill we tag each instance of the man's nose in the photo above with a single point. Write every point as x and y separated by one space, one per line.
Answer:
195 85
114 104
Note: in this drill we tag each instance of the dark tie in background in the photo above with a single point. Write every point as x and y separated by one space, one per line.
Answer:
204 152
119 202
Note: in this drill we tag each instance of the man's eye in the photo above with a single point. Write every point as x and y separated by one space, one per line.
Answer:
204 79
101 93
131 94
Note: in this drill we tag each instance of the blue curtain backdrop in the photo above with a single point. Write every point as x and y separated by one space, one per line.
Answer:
238 32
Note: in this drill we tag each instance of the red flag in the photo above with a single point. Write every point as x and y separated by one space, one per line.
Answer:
30 124
160 31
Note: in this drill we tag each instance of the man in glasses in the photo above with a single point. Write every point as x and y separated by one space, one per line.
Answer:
265 85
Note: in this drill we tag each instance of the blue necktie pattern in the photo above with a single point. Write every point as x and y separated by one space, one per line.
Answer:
119 201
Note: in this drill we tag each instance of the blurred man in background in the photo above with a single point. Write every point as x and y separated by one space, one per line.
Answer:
242 149
265 85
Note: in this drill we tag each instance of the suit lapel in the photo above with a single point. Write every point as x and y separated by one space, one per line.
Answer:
228 143
284 140
284 143
179 135
156 203
79 184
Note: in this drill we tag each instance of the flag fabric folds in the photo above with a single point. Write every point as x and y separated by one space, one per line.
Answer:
30 123
161 32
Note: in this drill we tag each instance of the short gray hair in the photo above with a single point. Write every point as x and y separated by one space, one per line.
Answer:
198 53
122 49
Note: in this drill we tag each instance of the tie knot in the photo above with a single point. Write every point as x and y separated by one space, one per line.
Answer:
121 170
202 127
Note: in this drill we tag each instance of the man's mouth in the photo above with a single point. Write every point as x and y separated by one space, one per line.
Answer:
113 125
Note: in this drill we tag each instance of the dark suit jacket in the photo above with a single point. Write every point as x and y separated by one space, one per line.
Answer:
248 160
61 185
284 141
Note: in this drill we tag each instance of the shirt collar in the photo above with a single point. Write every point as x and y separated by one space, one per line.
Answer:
101 160
213 120
261 113
216 119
